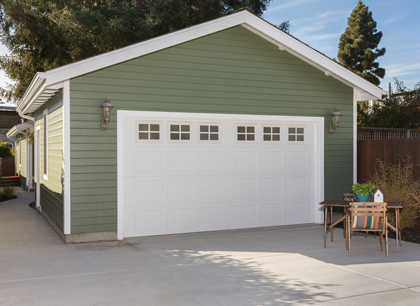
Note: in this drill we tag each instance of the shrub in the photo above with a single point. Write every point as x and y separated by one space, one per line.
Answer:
397 183
6 150
8 191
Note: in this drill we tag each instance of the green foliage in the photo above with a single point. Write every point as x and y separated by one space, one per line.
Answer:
8 191
364 189
30 137
358 47
6 150
402 110
46 34
1 194
397 183
285 26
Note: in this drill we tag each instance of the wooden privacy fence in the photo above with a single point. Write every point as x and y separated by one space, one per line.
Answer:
8 166
389 151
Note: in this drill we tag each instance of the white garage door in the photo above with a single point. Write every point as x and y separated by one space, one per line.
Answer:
195 175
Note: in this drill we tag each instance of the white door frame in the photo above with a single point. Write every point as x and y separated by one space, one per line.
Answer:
38 166
318 123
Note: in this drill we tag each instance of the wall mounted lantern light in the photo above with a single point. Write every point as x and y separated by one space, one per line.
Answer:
106 114
336 115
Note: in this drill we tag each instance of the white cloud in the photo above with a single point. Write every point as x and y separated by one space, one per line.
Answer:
403 69
324 36
322 18
288 4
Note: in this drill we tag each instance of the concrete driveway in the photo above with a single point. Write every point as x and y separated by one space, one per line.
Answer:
275 266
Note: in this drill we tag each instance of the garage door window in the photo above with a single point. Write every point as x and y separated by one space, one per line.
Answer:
149 131
209 132
246 133
296 134
180 132
271 133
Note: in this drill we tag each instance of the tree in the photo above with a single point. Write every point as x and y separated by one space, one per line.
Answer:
46 34
6 150
358 47
285 26
401 110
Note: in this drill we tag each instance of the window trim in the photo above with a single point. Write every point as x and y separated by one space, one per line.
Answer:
45 144
246 125
20 153
200 141
295 141
281 132
180 141
149 122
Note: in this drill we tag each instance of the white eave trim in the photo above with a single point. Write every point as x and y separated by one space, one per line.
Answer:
285 42
19 128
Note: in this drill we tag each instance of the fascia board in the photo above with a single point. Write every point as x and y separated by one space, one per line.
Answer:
12 132
19 128
318 59
36 82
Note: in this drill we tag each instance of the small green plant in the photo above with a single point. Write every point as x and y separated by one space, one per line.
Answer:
8 191
1 195
364 189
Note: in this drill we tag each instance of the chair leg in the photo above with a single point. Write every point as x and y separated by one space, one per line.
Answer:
381 238
331 217
348 234
386 238
325 225
344 225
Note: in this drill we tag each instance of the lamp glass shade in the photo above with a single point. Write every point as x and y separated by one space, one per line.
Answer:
106 110
336 117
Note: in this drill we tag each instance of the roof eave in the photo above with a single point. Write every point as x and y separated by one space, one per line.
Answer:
284 41
19 128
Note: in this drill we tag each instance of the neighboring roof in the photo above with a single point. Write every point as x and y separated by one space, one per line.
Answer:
7 108
19 128
44 85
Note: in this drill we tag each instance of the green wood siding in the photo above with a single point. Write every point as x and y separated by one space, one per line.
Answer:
52 187
233 71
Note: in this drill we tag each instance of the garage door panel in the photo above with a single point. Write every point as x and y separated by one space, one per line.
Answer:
271 161
271 187
174 186
150 191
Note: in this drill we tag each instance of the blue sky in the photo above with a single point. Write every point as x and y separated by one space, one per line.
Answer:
320 23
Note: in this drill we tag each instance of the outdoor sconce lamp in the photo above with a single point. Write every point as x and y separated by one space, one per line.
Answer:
336 115
106 114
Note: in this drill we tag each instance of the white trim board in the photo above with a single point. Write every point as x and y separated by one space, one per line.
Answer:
38 166
66 157
318 148
44 82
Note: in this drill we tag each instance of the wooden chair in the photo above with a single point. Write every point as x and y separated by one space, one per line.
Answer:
368 212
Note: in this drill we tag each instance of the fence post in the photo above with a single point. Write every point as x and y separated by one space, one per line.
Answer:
408 133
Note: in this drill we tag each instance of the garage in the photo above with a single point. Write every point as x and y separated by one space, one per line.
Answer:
184 173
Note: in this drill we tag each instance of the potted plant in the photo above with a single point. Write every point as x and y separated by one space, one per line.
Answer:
364 191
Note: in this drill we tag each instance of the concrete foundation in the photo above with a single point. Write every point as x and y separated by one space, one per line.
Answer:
81 237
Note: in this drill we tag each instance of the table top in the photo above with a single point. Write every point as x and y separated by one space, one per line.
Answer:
342 203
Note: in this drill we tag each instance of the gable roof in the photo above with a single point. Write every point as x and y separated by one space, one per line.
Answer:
45 84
